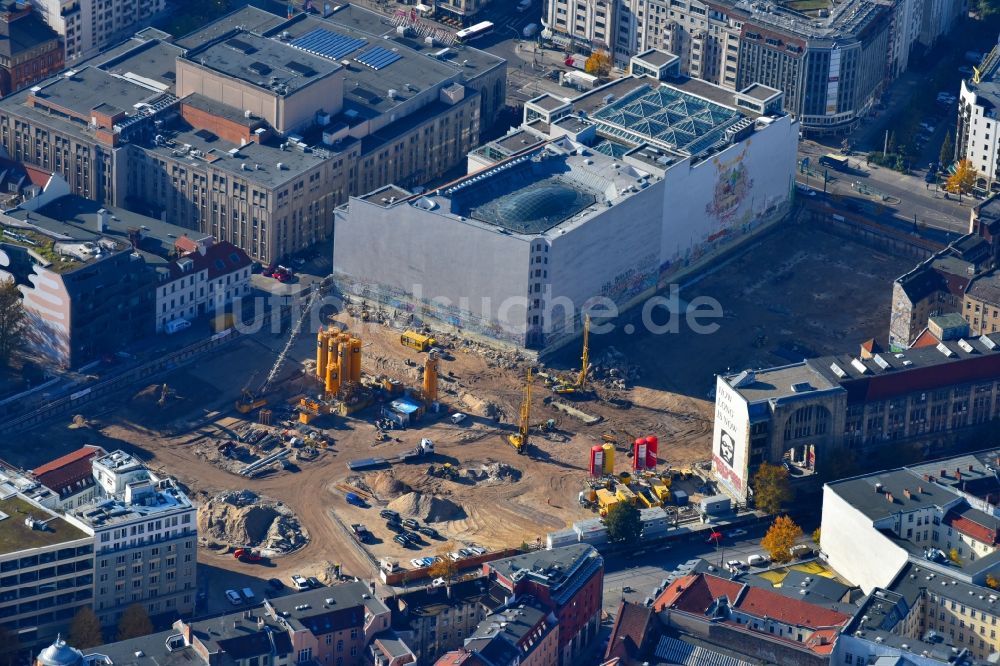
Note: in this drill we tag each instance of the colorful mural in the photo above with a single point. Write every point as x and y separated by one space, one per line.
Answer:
731 189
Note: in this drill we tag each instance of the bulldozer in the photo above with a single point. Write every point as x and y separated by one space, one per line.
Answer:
445 471
519 440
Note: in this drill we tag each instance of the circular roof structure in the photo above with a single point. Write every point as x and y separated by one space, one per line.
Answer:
546 202
59 654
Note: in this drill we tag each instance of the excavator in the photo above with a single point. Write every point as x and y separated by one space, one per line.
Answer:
254 399
578 387
519 440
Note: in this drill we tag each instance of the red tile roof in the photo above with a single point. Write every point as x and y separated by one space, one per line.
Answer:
629 632
219 259
459 657
37 176
761 602
68 470
970 528
925 339
695 593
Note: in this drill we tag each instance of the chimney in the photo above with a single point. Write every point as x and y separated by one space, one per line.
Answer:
970 468
906 493
133 237
260 623
944 473
927 477
958 474
102 220
920 490
889 498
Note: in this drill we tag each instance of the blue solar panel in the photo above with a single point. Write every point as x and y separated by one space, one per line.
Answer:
327 43
378 57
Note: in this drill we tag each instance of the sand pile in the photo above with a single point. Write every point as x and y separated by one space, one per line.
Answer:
384 485
428 508
241 518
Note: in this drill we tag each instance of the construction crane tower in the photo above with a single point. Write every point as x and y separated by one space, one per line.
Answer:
519 440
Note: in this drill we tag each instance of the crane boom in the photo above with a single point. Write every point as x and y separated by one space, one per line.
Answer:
585 359
291 340
520 440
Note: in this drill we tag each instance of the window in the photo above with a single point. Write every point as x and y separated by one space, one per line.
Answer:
305 655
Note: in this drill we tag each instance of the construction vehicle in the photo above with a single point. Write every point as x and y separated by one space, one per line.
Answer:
519 440
445 471
660 488
417 341
606 500
251 400
578 387
646 497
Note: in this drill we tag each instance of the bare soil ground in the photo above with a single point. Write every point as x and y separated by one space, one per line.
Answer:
795 289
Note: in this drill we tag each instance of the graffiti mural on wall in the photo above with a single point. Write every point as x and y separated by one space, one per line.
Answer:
731 189
635 280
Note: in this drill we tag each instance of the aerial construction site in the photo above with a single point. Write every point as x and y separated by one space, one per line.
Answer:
372 439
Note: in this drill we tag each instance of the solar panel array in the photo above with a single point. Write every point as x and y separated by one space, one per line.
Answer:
327 43
378 57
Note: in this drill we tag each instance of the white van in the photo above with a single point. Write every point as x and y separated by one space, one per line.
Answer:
176 325
756 561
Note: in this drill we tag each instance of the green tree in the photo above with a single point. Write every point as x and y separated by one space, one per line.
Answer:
85 632
780 538
623 523
771 488
10 645
947 154
135 622
988 7
12 320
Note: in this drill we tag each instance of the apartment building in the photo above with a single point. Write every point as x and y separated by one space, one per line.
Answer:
46 568
976 137
253 136
68 480
526 634
331 625
567 582
89 26
831 62
207 279
434 620
29 49
145 539
465 11
981 304
922 540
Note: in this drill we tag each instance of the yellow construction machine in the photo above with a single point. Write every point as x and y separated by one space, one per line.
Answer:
579 385
519 440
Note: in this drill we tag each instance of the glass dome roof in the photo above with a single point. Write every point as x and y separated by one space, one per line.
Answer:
540 203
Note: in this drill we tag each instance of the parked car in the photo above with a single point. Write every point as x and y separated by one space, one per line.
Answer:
478 550
736 534
299 582
735 566
458 417
355 499
417 563
412 524
465 552
314 582
756 560
427 561
437 582
248 594
455 556
395 526
428 531
388 513
275 584
401 540
234 597
176 326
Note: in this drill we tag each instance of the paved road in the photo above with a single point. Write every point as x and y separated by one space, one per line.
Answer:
643 572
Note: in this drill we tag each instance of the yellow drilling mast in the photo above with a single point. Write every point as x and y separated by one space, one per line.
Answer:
519 440
579 386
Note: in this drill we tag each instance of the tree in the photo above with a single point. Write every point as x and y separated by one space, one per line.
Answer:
947 153
85 632
12 320
771 488
10 645
135 622
891 144
988 7
953 556
598 64
780 539
963 180
992 582
623 523
816 535
444 567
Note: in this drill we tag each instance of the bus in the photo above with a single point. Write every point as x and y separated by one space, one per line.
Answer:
838 162
478 30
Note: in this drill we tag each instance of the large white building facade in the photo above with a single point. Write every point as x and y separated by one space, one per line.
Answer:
590 199
90 26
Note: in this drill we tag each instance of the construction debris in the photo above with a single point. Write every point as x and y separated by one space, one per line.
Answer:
241 518
427 508
588 419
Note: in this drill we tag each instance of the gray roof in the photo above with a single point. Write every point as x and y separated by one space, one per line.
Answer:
860 492
656 57
562 570
258 60
85 89
548 102
513 624
151 59
342 604
986 288
24 33
148 650
776 383
247 17
391 644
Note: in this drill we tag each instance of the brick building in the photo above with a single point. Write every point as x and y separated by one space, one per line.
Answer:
29 49
567 581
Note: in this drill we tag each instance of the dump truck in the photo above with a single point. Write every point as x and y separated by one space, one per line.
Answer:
417 341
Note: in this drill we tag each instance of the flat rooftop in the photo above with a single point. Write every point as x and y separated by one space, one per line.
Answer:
16 536
986 288
148 62
656 57
83 90
265 63
548 102
797 379
387 195
248 17
538 191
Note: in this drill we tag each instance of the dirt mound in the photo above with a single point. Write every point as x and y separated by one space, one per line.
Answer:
428 508
241 518
384 485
